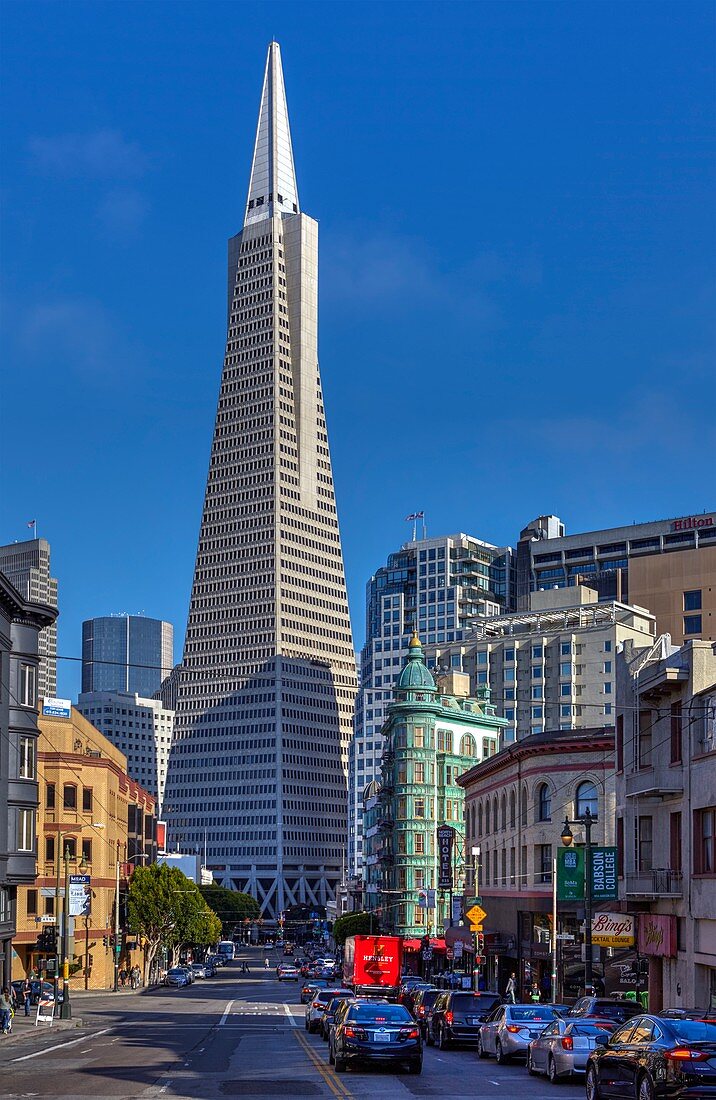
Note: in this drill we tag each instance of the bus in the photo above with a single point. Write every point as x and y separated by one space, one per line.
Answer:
226 949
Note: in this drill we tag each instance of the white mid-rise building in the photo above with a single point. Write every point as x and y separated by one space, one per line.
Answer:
140 728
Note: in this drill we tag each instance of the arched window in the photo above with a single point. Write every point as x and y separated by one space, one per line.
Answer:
503 813
479 820
487 817
513 809
586 798
523 806
495 819
544 802
467 745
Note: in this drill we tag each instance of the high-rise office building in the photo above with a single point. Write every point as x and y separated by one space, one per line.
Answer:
437 586
126 653
140 728
667 566
27 566
268 679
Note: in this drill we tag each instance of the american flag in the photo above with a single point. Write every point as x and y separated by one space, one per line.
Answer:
32 523
414 515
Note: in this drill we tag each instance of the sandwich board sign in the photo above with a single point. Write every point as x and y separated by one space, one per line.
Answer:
45 1011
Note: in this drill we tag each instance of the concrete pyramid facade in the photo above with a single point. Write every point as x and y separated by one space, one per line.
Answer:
268 683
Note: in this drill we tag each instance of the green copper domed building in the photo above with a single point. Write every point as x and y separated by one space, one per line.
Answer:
433 733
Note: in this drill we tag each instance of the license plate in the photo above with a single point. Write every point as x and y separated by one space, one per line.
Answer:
472 1020
382 1037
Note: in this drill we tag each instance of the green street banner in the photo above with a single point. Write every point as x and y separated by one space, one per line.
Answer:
570 874
604 874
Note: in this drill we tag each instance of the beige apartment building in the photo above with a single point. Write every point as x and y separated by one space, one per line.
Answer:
666 815
90 808
551 667
680 590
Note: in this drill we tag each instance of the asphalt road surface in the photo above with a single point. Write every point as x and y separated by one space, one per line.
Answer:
230 1036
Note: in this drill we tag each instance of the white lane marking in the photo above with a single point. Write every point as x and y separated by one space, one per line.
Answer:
227 1010
60 1046
287 1010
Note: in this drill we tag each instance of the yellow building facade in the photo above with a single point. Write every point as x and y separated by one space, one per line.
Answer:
92 810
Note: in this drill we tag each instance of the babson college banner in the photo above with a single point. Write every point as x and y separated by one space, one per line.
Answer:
446 839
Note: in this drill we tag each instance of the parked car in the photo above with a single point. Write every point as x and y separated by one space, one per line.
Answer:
509 1030
329 1013
37 987
316 1007
423 1003
651 1056
563 1048
708 1015
189 973
457 1016
287 973
177 976
198 970
616 1009
370 1031
309 988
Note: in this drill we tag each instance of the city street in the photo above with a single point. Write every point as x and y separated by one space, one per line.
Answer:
223 1037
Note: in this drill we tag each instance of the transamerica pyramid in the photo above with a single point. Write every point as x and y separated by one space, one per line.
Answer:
268 681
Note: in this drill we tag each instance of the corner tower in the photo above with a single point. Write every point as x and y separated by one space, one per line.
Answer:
268 679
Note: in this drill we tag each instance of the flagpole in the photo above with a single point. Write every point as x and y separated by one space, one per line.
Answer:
415 525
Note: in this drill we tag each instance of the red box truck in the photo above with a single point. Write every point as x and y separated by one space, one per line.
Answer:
372 965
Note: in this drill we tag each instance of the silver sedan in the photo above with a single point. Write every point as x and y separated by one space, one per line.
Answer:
563 1048
510 1028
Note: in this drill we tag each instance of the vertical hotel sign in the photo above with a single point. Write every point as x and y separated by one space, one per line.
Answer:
446 839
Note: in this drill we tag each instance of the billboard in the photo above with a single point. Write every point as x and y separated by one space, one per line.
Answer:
446 838
80 896
56 708
161 836
613 929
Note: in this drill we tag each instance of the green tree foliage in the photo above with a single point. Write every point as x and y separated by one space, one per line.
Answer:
354 924
166 908
230 906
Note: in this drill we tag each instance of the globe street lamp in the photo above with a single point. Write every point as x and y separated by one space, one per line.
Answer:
587 820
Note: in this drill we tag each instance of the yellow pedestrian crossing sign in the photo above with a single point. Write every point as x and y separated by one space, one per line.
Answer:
476 915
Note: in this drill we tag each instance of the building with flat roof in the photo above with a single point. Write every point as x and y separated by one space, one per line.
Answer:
667 566
551 667
140 728
126 653
27 566
666 814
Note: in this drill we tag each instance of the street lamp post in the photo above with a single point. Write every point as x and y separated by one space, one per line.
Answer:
587 820
117 943
66 1008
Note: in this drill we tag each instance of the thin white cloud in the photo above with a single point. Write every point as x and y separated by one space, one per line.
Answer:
102 155
121 212
78 335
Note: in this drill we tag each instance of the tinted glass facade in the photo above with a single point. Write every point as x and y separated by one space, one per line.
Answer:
126 653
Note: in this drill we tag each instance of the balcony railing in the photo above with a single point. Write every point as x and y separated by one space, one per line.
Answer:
659 883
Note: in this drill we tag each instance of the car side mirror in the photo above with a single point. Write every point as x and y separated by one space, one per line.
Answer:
601 1038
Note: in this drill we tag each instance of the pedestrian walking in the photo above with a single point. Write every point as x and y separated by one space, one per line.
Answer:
511 988
123 977
267 964
245 968
535 993
134 977
5 1011
26 991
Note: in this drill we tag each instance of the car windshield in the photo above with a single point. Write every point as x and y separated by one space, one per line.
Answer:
540 1013
429 997
380 1014
178 971
694 1031
585 1029
323 996
472 1001
615 1012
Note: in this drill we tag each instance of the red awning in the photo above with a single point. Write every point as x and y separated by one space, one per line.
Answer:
416 945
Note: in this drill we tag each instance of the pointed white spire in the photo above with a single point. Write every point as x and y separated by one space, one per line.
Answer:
272 187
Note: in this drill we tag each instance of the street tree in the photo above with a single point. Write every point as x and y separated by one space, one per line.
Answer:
166 908
231 906
353 924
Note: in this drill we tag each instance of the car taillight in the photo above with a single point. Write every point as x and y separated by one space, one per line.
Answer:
421 1010
449 1016
567 1043
684 1054
513 1028
354 1032
409 1032
316 1004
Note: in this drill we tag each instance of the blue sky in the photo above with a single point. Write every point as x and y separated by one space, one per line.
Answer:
516 207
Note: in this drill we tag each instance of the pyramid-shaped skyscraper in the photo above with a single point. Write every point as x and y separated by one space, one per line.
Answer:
268 682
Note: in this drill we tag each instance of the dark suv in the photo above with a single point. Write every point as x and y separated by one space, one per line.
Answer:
456 1016
368 1031
606 1008
423 1004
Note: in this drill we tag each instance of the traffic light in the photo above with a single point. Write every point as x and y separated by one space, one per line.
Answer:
111 940
105 941
47 940
480 960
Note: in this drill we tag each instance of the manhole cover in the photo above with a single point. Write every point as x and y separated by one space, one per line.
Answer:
269 1088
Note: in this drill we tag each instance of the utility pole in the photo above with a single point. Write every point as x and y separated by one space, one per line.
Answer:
587 820
117 945
66 1007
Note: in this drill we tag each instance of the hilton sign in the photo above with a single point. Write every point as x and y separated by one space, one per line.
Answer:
692 523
